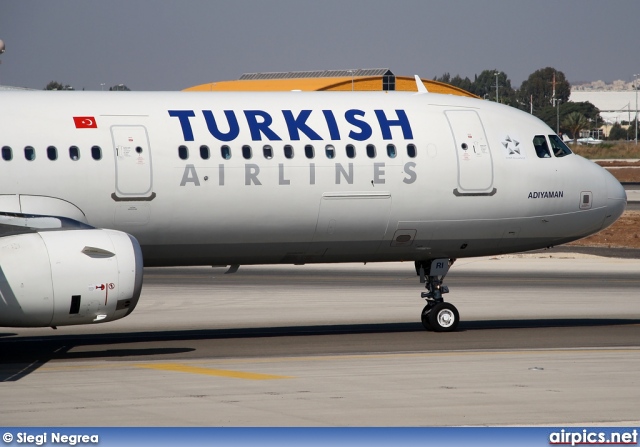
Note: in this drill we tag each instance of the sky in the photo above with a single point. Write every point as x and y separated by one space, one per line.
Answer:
175 44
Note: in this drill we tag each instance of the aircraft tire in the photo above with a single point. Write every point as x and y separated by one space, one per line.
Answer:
443 317
425 317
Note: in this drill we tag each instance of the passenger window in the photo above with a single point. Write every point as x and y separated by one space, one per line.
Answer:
74 153
225 152
288 151
542 149
308 151
371 151
96 153
52 153
559 148
330 151
7 153
411 151
29 153
351 151
183 152
246 152
391 151
204 152
267 151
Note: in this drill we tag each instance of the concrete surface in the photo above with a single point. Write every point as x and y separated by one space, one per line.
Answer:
543 341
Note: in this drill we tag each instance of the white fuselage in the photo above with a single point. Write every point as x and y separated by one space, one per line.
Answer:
474 186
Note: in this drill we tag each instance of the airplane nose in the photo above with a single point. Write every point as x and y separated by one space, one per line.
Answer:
616 199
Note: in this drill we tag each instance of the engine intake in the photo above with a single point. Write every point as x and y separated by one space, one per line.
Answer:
61 278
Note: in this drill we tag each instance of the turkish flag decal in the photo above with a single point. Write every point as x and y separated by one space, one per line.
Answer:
85 122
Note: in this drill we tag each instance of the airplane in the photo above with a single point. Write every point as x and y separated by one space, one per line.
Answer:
94 185
589 141
581 141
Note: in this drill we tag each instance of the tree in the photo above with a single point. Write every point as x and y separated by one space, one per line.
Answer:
539 86
574 123
549 114
446 78
55 85
617 132
485 87
631 131
119 87
464 84
456 81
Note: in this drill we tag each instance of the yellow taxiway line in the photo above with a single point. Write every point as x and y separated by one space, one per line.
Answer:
178 367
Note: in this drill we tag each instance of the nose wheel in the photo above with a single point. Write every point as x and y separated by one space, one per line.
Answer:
441 317
437 315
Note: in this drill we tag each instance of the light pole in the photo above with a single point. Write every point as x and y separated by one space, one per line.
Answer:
351 71
102 86
497 74
635 87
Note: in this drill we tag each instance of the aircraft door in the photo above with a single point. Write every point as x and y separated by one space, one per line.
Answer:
475 164
133 163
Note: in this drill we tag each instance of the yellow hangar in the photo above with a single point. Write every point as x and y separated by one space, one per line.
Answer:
375 79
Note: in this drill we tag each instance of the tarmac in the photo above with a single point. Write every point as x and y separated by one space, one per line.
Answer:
546 339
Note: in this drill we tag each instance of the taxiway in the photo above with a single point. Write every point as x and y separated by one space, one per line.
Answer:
545 339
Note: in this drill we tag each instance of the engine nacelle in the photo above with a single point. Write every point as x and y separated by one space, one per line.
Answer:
60 278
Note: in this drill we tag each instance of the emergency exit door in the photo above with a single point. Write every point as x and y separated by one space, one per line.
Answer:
475 164
133 162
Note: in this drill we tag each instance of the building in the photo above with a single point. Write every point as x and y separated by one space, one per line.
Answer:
6 88
376 79
614 106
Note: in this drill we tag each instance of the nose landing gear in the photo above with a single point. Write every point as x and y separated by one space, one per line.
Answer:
437 315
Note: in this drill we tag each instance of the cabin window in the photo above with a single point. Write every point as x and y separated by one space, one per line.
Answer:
288 151
204 152
246 152
52 153
74 153
411 151
330 151
351 151
308 151
183 152
7 153
371 151
29 153
267 151
391 151
96 152
558 147
540 144
225 152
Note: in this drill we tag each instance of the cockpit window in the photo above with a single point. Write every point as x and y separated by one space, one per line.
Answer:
542 149
559 148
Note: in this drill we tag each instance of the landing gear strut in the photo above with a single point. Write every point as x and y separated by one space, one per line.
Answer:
437 315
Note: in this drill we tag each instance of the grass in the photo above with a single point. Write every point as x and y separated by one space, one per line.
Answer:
613 149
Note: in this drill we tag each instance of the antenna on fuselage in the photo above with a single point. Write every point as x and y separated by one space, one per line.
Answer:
1 47
421 87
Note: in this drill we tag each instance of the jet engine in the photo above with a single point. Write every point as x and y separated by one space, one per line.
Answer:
61 278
